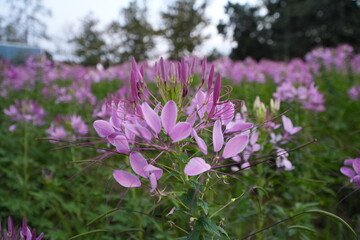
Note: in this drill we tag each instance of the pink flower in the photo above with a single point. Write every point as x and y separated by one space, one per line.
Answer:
354 173
141 167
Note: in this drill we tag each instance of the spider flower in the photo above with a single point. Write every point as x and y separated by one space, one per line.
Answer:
21 233
28 111
354 172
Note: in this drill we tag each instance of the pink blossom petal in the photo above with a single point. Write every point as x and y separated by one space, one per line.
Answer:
191 119
121 143
152 169
218 137
196 166
347 172
153 181
169 116
129 135
288 126
138 163
139 130
151 118
295 130
256 147
200 142
180 131
349 161
356 165
239 127
126 179
103 128
235 145
356 180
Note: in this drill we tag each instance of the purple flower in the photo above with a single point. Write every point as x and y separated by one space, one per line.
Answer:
282 160
28 111
233 147
22 233
354 172
65 126
141 167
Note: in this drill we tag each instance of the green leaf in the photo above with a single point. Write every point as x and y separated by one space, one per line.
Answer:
189 199
103 215
205 223
204 206
300 227
88 233
333 216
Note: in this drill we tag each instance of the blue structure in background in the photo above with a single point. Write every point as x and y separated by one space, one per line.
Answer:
17 53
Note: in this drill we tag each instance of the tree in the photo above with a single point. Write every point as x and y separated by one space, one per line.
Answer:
89 43
303 25
138 33
184 23
23 23
290 28
248 31
135 36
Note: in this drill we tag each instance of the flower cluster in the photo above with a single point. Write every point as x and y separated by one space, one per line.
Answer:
28 111
65 126
176 120
354 93
352 170
22 233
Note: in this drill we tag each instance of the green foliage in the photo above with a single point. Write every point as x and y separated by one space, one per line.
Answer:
290 28
59 197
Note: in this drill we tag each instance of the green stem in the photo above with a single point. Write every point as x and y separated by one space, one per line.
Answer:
25 158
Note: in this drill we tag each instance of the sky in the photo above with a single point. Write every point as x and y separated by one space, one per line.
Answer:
67 15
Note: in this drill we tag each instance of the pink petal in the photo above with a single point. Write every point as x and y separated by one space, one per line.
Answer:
217 89
239 127
126 179
138 163
153 181
152 169
254 137
235 145
151 118
349 161
191 119
139 130
169 116
218 137
288 126
103 128
356 180
356 165
196 166
295 130
121 143
200 142
180 131
347 172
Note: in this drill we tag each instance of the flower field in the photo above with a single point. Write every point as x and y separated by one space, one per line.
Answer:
182 150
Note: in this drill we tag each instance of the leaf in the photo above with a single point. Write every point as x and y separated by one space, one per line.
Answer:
88 233
333 216
205 223
204 206
300 227
103 215
189 199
